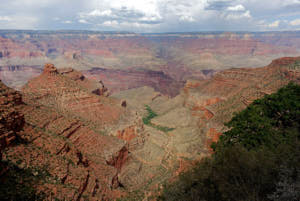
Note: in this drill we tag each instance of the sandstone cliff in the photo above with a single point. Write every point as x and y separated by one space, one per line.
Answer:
67 129
11 120
184 127
96 146
137 60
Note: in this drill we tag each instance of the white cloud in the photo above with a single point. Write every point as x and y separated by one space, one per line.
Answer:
236 8
136 25
40 3
19 22
97 13
122 14
274 24
238 16
295 22
148 7
151 15
5 18
187 18
67 22
82 21
111 23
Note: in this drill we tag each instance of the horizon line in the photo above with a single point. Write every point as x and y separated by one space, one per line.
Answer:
131 32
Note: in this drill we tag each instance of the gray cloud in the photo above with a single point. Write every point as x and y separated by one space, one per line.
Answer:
122 15
151 15
218 5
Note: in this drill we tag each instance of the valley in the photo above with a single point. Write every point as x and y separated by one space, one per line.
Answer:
160 61
151 100
98 145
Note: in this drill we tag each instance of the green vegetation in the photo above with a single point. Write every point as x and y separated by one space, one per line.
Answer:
151 115
258 159
269 122
133 196
19 184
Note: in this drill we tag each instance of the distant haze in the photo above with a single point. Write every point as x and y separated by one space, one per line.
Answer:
151 15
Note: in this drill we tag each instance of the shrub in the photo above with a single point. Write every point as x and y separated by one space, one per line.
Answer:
258 159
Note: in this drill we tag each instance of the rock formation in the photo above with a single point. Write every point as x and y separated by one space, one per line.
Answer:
100 147
67 128
11 120
197 118
164 62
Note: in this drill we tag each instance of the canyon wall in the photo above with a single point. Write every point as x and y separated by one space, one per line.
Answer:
63 128
182 128
168 60
99 146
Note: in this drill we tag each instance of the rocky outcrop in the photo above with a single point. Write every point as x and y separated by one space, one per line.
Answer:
97 147
67 130
232 90
185 126
11 120
50 69
69 91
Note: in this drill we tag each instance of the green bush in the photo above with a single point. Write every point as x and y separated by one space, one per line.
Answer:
147 120
258 159
151 115
19 184
269 121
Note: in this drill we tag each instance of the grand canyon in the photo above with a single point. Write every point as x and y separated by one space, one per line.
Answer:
111 114
124 60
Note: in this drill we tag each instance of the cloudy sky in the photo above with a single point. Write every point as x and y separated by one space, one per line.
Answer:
151 15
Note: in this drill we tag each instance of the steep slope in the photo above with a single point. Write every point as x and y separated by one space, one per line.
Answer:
120 80
68 91
11 49
95 146
213 101
67 134
11 120
181 129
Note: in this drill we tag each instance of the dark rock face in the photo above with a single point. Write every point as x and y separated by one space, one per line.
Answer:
11 120
124 104
120 80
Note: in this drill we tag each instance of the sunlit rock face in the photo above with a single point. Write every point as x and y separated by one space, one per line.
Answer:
70 131
183 128
99 145
161 61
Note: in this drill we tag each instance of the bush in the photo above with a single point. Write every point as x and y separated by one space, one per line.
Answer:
151 115
269 121
19 184
258 159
